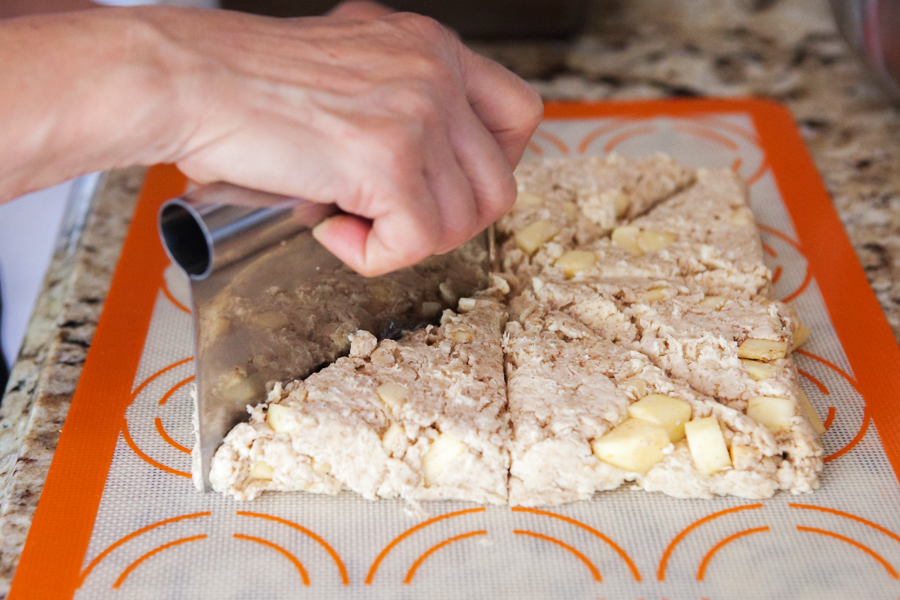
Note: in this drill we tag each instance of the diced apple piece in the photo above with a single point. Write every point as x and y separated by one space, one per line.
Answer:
800 336
528 199
774 413
574 261
626 237
811 413
393 436
651 241
467 304
665 411
755 349
714 302
620 201
276 417
392 393
448 294
742 456
462 336
261 470
535 235
320 466
758 370
271 319
652 295
634 445
741 217
443 451
707 445
241 388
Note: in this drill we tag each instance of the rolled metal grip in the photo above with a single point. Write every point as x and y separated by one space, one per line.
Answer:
215 226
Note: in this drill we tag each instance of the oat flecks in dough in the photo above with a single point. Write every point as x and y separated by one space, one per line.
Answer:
651 283
421 418
568 387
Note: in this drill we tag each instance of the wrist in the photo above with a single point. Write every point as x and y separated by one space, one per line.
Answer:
88 93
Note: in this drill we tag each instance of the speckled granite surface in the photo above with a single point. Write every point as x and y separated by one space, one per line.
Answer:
787 50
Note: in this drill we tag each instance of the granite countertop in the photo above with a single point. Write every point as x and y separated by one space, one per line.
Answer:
786 50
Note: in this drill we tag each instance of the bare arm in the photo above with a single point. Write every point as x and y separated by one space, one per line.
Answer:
19 8
392 118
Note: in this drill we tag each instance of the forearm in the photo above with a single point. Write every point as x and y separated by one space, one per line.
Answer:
83 92
19 8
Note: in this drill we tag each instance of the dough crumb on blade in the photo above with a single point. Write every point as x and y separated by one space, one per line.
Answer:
420 418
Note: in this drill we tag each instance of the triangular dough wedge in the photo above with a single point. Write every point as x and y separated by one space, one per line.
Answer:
564 203
568 388
419 418
704 234
733 351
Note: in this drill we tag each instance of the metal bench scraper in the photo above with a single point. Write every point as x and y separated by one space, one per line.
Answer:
270 304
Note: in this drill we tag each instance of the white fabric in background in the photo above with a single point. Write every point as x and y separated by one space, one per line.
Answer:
28 230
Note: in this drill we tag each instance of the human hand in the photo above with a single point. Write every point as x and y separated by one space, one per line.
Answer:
390 117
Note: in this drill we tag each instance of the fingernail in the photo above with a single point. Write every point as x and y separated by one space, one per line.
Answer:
319 231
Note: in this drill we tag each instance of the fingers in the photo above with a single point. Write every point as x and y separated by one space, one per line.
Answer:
510 109
486 168
393 241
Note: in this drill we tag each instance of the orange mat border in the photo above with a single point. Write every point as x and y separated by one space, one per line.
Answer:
61 530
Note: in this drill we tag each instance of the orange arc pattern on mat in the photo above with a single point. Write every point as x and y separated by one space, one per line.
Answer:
173 389
847 515
162 371
297 564
589 138
311 534
560 145
806 279
815 381
171 298
130 568
857 439
831 366
435 548
167 438
593 569
627 135
588 528
535 148
409 532
829 419
866 416
701 572
99 558
144 456
708 134
887 566
776 275
664 561
737 130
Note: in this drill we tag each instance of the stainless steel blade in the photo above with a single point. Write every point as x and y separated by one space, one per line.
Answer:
270 304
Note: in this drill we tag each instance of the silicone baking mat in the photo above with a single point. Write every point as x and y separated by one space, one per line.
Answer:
119 517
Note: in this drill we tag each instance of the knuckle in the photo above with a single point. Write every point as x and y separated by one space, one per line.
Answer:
533 106
399 144
427 27
503 197
416 100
